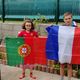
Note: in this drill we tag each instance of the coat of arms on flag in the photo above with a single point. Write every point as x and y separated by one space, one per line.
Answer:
24 50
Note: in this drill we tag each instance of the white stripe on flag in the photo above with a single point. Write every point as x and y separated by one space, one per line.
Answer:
65 41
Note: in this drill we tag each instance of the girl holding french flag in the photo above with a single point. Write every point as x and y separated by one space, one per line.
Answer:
63 44
67 22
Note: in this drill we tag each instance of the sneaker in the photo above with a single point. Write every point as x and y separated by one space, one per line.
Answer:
31 76
22 76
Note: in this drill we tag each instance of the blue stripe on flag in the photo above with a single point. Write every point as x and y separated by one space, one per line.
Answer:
52 43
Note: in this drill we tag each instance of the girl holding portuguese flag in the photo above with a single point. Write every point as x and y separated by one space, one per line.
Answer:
27 31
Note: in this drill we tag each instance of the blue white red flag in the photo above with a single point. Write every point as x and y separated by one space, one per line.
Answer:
63 44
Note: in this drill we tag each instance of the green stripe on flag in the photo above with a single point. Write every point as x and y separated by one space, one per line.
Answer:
12 45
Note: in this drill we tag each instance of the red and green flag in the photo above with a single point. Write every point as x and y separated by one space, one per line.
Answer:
25 51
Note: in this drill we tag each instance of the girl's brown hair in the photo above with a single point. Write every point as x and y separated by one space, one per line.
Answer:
28 21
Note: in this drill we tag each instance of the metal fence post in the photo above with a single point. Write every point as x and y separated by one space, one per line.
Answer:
3 10
57 12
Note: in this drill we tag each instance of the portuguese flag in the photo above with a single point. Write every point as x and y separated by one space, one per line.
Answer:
25 51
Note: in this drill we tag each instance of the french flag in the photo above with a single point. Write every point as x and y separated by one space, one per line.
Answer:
63 44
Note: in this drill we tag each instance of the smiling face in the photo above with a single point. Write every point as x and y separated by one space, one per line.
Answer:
28 26
68 20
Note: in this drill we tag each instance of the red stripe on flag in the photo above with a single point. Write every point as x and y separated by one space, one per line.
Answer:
37 55
39 50
30 58
76 47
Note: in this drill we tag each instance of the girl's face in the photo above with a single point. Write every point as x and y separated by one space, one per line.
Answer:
28 26
68 20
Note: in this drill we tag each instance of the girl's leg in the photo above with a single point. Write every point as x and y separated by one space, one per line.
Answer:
31 72
23 72
62 71
69 71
